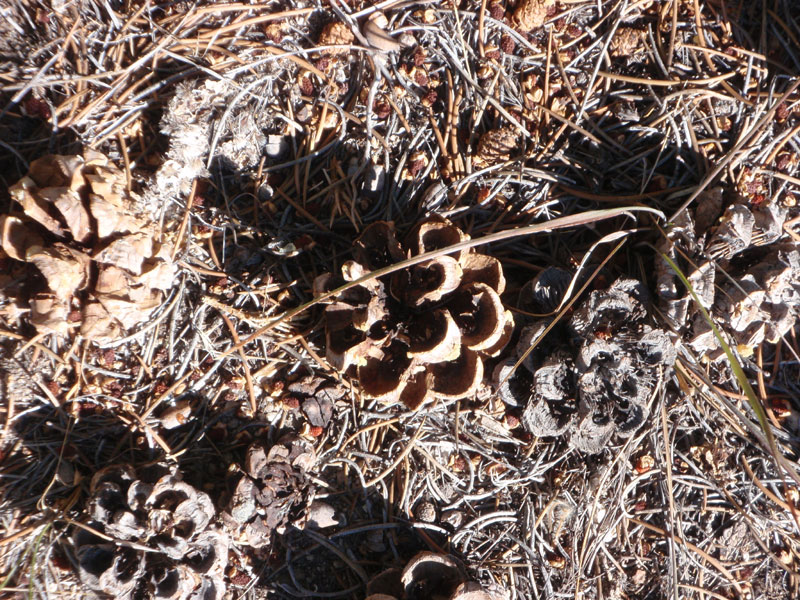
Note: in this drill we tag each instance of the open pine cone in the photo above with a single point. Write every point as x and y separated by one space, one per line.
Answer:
431 575
165 545
592 377
98 255
742 267
273 491
422 332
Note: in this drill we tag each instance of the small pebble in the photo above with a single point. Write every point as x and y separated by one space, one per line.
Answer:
426 512
321 515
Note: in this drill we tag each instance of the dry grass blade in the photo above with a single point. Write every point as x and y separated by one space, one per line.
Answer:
558 223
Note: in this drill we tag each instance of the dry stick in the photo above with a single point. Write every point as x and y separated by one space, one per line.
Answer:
236 6
409 447
784 26
703 591
730 157
301 210
123 148
546 85
185 220
619 199
323 541
667 82
706 53
560 223
211 33
481 19
444 141
762 388
398 112
704 94
672 34
582 113
164 396
703 387
248 377
748 520
602 55
453 117
769 494
780 145
368 428
19 534
31 343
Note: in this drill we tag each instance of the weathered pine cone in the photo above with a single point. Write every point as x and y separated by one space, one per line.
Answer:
592 377
430 575
741 269
422 332
273 491
97 253
165 545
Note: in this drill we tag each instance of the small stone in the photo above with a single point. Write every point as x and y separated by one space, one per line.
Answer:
425 511
322 515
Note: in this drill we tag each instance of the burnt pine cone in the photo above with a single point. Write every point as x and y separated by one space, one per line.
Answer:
186 556
274 490
742 268
600 382
422 332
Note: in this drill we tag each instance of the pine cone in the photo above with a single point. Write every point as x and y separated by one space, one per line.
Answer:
754 296
592 377
96 252
165 544
274 490
421 332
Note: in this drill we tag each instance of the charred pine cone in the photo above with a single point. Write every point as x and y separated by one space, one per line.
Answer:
273 491
592 377
422 332
164 543
95 252
742 267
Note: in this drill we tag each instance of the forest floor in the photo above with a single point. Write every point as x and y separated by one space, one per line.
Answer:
165 312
